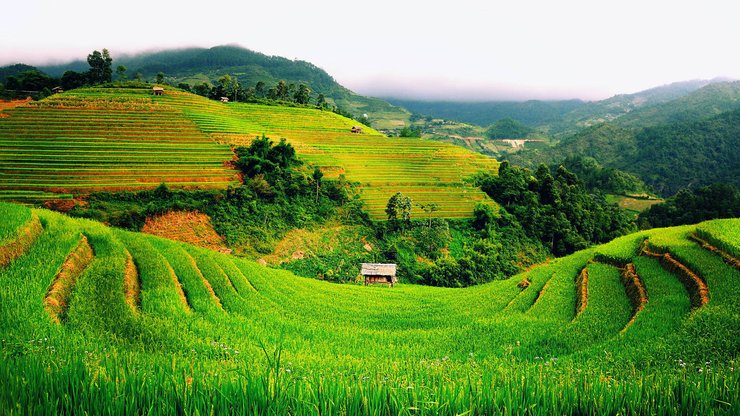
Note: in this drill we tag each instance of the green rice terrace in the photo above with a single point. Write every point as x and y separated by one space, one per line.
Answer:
95 320
95 139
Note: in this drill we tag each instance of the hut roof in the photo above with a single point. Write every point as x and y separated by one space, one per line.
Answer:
157 89
378 269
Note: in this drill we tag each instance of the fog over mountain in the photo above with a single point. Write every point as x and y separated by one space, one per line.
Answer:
468 50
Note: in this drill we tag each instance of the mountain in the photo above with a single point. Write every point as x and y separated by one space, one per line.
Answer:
620 105
13 70
198 65
709 100
560 118
532 113
667 157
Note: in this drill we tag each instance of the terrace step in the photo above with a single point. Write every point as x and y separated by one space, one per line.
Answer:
24 238
59 294
695 285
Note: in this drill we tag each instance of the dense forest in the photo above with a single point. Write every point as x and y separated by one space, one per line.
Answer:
667 158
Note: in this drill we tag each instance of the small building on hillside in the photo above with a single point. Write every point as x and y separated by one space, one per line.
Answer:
57 90
356 129
379 273
224 99
158 91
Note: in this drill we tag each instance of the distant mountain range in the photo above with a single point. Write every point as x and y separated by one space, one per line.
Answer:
559 118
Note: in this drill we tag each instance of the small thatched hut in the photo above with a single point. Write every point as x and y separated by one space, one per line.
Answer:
158 91
379 273
356 129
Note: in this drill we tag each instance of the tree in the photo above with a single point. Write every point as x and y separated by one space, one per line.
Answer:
281 90
317 175
399 204
72 80
302 95
160 78
100 67
410 132
230 85
121 72
429 209
259 89
321 102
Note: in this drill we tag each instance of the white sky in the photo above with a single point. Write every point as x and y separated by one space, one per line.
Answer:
458 49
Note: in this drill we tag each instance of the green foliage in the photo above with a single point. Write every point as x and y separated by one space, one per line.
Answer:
667 157
409 132
555 208
100 70
507 128
605 180
397 205
691 206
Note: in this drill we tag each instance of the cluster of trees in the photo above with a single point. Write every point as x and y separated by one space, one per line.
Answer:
100 72
39 84
554 207
282 93
690 206
490 247
229 86
667 157
508 128
597 178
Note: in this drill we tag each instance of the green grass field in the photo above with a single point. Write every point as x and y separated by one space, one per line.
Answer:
95 139
209 333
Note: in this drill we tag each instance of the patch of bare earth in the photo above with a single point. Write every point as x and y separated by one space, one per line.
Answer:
188 227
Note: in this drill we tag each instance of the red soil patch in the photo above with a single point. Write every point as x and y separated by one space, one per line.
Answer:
4 105
59 294
188 227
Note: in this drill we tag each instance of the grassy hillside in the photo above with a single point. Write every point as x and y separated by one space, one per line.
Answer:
125 138
198 65
117 322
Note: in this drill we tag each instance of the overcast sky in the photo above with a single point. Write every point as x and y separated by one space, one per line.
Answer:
462 49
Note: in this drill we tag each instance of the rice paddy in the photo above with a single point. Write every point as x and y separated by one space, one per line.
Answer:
204 332
112 139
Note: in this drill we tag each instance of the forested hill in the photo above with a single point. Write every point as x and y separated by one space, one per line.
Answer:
197 65
560 118
532 113
668 157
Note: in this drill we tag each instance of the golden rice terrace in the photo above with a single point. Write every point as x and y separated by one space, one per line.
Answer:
98 139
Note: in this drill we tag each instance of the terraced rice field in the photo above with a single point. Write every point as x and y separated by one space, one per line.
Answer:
425 170
111 139
147 325
98 139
